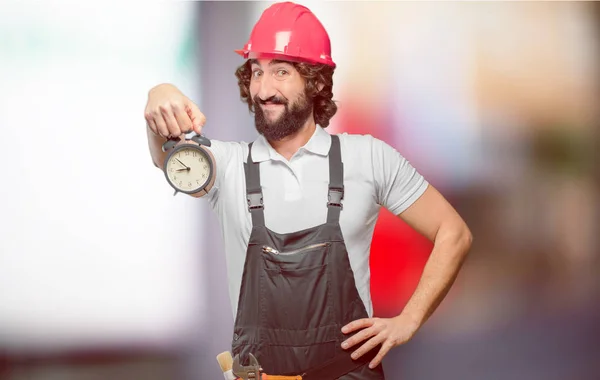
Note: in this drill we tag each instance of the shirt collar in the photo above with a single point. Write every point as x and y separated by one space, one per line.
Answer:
319 143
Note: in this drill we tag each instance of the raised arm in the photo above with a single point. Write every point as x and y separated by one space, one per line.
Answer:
170 114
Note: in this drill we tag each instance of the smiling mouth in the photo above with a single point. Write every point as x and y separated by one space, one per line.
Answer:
271 106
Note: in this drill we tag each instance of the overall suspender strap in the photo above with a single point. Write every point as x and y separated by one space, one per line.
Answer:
254 194
336 181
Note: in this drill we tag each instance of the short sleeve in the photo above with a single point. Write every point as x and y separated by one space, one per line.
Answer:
398 184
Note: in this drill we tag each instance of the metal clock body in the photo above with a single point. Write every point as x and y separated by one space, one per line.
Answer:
188 167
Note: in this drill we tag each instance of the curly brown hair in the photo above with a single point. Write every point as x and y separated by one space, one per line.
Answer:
324 108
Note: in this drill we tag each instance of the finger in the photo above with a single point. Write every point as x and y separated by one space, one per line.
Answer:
368 346
197 117
359 337
385 348
161 125
183 119
150 122
173 127
357 324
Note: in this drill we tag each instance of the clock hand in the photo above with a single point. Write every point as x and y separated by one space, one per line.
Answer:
183 170
182 164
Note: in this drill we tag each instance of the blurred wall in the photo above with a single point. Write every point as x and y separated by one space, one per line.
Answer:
95 252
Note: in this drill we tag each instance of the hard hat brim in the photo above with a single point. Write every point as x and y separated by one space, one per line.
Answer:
280 56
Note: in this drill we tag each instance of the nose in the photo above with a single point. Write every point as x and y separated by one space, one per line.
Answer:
267 87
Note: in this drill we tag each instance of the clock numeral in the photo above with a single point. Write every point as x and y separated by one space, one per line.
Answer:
187 153
197 181
205 167
174 177
194 154
203 176
201 159
180 183
189 184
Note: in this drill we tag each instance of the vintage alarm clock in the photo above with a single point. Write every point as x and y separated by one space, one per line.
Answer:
188 166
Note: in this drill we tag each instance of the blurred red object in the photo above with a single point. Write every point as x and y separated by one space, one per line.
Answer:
398 255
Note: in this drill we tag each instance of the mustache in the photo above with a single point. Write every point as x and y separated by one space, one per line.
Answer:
271 100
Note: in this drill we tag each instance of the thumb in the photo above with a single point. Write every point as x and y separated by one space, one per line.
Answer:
198 119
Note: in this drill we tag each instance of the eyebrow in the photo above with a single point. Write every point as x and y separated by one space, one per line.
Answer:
273 62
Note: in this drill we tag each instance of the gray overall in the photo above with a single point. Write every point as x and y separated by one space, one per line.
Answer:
298 291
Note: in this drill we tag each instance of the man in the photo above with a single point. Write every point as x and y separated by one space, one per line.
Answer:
298 207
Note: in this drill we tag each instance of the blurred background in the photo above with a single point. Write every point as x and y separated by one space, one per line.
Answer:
105 275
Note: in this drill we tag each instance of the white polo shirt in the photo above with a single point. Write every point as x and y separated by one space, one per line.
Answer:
295 195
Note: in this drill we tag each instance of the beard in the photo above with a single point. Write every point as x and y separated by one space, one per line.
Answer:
291 120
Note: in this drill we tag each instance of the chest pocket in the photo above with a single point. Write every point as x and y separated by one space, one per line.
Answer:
297 283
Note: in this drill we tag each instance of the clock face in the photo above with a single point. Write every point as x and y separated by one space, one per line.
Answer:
188 169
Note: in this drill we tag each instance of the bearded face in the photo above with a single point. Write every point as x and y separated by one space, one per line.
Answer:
277 117
279 96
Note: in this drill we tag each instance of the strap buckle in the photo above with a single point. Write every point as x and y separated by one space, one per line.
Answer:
255 201
335 197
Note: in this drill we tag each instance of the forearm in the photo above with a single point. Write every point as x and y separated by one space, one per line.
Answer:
451 246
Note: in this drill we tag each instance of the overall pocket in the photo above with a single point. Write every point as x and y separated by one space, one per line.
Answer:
295 290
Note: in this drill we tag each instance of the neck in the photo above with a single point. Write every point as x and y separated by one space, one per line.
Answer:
288 146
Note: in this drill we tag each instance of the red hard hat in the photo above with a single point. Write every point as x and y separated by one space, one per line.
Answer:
291 32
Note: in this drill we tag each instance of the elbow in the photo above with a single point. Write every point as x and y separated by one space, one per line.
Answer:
460 238
456 238
466 240
466 235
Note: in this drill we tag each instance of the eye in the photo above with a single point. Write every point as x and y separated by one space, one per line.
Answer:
256 73
281 73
